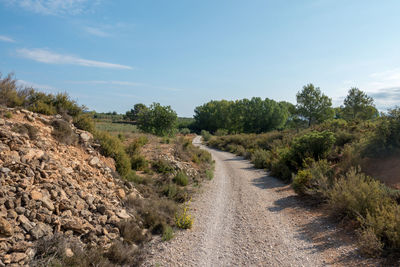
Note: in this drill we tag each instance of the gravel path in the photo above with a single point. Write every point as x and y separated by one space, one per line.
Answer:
243 217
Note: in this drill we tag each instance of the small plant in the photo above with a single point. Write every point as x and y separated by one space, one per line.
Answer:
138 162
206 135
8 115
184 220
63 133
26 128
168 233
181 179
209 174
84 122
185 131
163 166
259 158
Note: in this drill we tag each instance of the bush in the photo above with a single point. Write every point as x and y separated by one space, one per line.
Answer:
163 166
84 122
259 158
210 174
206 135
131 232
315 180
112 147
168 233
184 220
8 115
356 195
314 145
63 133
27 129
185 131
386 137
181 179
221 132
134 147
138 162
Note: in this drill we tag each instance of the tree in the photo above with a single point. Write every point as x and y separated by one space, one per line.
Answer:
358 105
133 113
313 105
157 119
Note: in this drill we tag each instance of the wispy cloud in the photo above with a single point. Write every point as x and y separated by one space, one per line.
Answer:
130 84
6 39
96 32
54 7
46 56
42 87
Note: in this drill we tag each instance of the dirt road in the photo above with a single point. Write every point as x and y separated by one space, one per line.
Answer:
243 217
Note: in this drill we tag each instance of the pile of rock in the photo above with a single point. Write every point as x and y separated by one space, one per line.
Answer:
47 187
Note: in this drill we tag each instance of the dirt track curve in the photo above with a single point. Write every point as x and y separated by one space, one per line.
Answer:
243 217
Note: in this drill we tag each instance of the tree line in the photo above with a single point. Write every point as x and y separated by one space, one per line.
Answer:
257 115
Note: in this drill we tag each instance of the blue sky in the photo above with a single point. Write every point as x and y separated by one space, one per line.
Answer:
111 54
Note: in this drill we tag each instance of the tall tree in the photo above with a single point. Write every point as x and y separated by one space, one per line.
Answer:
157 119
358 105
133 113
313 105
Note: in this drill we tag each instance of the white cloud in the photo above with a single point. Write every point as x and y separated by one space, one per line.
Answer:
42 87
46 56
6 39
54 7
96 31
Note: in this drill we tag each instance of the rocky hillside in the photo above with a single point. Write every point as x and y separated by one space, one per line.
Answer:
53 181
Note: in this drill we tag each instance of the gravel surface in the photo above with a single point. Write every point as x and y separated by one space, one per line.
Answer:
243 217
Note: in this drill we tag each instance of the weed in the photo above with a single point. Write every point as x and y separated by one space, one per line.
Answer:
168 233
181 178
8 115
27 129
63 133
163 166
184 220
209 174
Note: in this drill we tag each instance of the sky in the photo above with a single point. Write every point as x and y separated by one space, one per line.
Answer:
111 54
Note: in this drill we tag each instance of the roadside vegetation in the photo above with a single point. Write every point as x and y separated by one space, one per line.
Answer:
149 154
325 154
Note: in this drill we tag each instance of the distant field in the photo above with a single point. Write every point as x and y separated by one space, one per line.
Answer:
116 127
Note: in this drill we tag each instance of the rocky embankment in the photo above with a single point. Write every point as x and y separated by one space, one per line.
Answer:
48 187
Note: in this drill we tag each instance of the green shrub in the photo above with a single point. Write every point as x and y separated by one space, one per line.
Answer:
168 233
63 133
84 122
385 223
206 135
259 158
356 195
221 132
138 162
210 174
315 180
111 146
181 178
170 190
8 115
314 145
386 136
163 166
131 176
134 147
185 131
